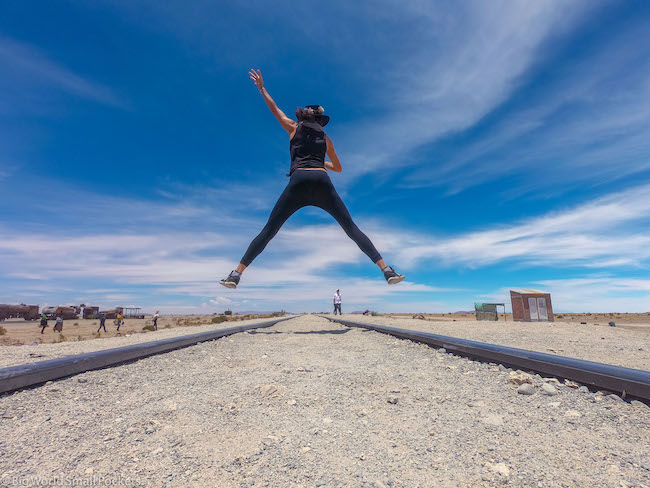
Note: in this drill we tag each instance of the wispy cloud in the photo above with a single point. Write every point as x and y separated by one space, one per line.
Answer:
589 122
27 69
603 233
302 264
468 64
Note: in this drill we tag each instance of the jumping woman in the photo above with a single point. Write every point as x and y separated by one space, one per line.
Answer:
309 184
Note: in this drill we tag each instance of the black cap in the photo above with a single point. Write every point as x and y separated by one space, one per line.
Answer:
318 111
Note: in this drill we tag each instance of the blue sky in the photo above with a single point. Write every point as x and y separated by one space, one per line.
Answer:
485 146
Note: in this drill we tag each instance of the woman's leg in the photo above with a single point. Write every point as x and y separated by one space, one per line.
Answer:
284 208
331 202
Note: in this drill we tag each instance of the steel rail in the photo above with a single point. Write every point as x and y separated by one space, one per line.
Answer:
625 381
32 374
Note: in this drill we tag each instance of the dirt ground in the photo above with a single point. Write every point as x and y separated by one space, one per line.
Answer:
19 331
309 403
634 320
35 352
627 344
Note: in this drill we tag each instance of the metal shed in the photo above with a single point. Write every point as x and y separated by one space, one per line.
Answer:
531 306
132 313
488 311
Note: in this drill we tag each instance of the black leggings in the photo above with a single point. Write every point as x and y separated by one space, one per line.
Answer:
309 187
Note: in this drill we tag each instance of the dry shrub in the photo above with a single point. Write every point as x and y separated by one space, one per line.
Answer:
168 326
3 331
218 319
76 324
148 327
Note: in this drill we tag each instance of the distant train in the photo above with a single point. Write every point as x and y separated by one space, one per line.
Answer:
91 312
66 313
22 311
111 314
31 312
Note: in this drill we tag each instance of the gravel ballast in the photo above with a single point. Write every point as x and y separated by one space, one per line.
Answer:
311 403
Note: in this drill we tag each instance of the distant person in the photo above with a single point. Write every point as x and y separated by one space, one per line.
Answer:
119 320
43 322
309 184
337 302
102 323
58 327
155 319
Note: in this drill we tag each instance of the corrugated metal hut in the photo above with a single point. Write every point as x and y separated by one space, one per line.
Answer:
531 306
488 311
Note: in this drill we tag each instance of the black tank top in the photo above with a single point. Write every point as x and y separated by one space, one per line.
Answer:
308 146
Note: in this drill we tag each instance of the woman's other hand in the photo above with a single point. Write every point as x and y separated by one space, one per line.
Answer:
256 76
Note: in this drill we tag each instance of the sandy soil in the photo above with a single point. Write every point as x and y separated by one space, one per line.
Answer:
19 331
622 346
309 403
621 319
14 355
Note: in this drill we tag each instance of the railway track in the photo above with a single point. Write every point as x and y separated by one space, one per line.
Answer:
627 382
27 375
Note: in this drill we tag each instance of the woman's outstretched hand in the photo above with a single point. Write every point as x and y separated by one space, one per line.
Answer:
256 76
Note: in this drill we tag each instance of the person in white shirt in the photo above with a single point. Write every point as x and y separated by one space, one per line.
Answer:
337 302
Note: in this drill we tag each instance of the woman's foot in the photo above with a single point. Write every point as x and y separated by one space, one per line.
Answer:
232 281
392 276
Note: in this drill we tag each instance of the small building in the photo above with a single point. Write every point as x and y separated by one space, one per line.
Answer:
132 312
488 311
531 306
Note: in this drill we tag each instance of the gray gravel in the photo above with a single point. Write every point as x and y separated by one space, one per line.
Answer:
310 403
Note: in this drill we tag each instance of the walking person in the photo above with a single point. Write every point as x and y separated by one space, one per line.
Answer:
309 184
102 323
120 320
58 327
155 319
43 322
337 302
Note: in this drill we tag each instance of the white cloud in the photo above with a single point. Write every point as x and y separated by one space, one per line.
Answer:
468 64
221 301
24 65
605 232
589 122
303 265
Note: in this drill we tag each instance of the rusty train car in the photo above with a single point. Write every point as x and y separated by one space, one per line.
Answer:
66 313
22 311
111 314
90 312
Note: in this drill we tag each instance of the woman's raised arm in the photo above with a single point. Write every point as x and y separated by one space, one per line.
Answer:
287 124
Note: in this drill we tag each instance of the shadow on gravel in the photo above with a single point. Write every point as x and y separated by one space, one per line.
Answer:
335 331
